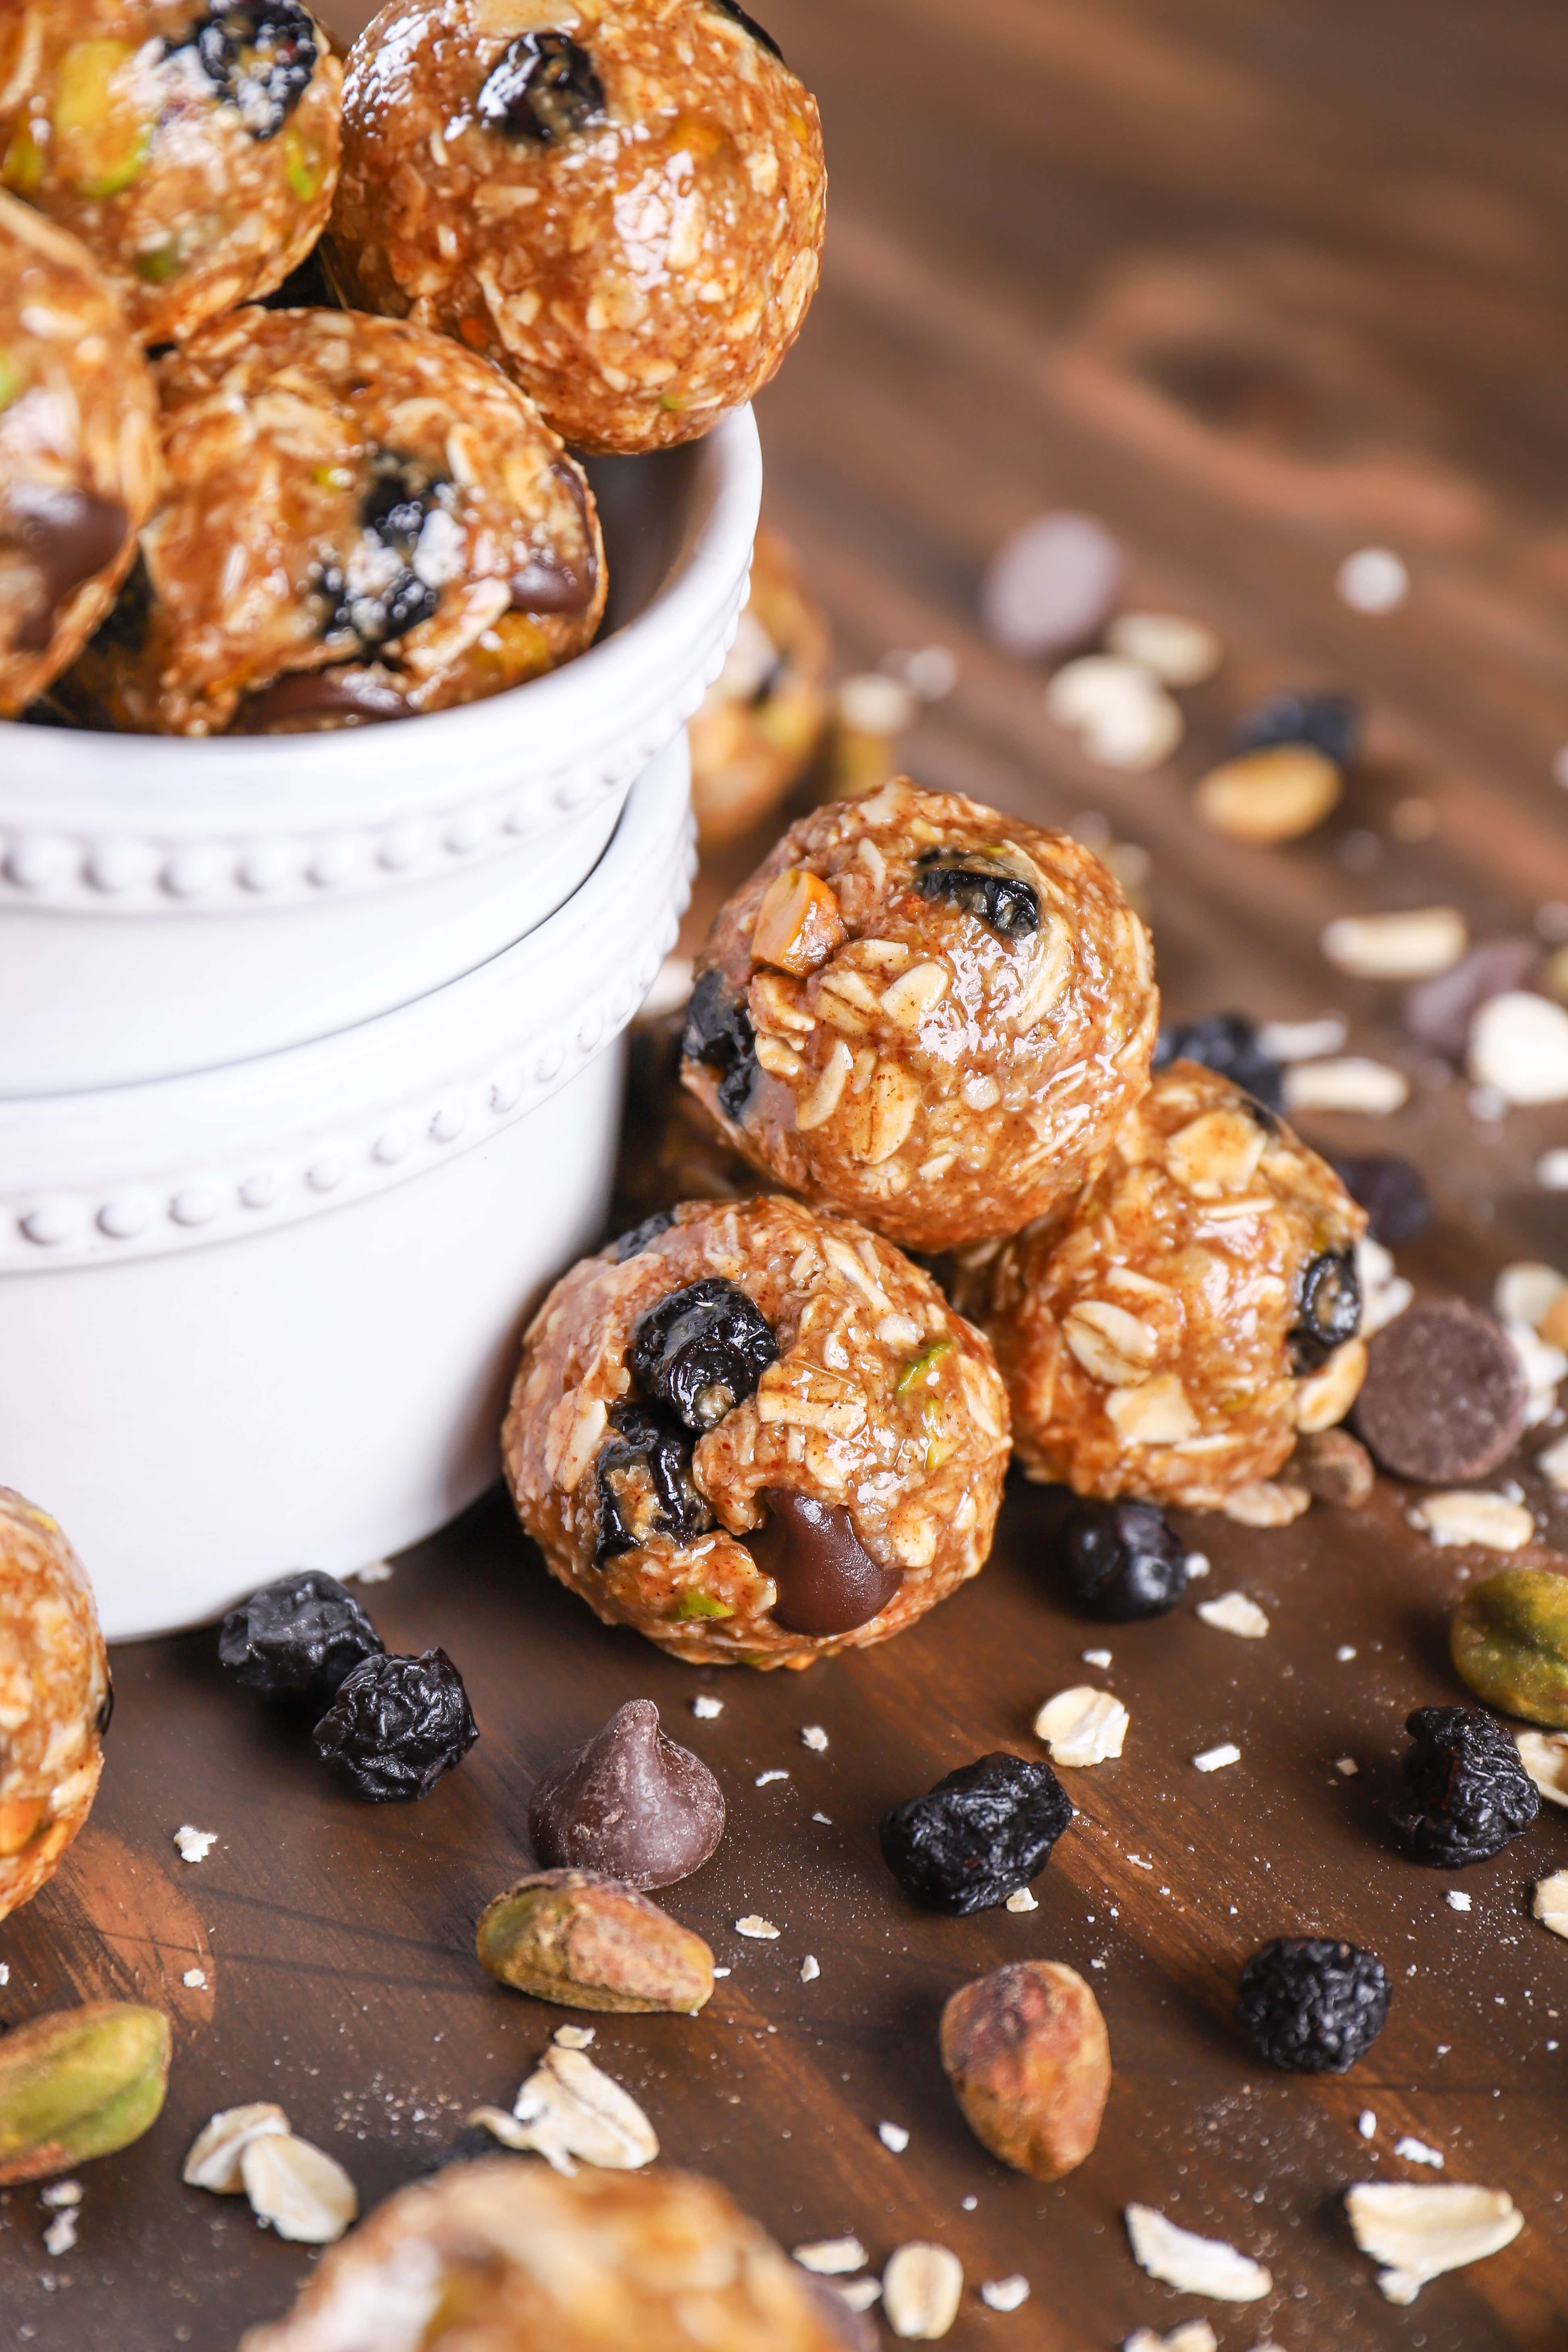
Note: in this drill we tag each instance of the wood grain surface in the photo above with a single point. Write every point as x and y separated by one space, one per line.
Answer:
1257 284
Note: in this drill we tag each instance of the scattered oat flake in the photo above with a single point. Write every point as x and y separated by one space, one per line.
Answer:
832 2257
5 1973
1551 1901
1351 1084
809 1968
1233 1612
893 2136
1197 1563
1366 2124
194 1978
1215 1759
1082 1727
1100 1658
1004 2294
860 2293
60 2235
573 2037
214 2159
1416 2151
777 1773
1345 1652
706 1709
1419 2232
813 1736
60 2192
1347 1765
1471 1516
1195 2266
568 2109
754 1925
1553 1465
1544 1756
1455 1900
304 2193
1021 1899
374 1571
1193 2336
722 1972
921 2288
1139 1861
826 1819
1374 579
194 1845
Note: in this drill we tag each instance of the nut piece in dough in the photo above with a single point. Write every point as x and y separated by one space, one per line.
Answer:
191 144
621 206
361 521
945 1045
760 1437
513 2256
55 1698
79 451
763 716
1197 1306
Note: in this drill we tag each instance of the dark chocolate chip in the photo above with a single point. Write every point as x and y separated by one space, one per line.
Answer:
1328 1308
1331 723
1445 1395
701 1352
1004 902
643 1477
1393 1194
543 89
630 1803
757 32
1439 1011
303 699
129 616
718 1034
826 1581
548 584
67 537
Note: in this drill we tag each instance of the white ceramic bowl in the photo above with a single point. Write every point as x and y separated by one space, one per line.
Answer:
173 906
263 1316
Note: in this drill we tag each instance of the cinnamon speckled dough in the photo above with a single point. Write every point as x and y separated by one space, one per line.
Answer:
1195 1309
502 2256
620 200
361 521
54 1698
191 144
79 451
866 1396
924 1013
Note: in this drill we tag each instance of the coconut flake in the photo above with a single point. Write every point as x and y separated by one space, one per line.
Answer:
1082 1726
1194 2264
1418 2232
1233 1612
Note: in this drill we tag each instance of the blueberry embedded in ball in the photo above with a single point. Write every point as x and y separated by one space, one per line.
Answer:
1124 1560
1312 2006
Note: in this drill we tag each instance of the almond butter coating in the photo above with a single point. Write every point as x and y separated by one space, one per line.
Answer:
55 1698
591 1942
1027 2055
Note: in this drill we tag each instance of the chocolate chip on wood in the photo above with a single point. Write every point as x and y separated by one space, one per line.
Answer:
630 1803
1445 1395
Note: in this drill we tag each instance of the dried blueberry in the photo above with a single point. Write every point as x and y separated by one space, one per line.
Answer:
1393 1194
379 595
1328 1308
261 54
545 88
1331 723
1312 2006
1226 1042
106 1707
979 1835
1123 1559
296 1639
396 1725
1006 901
633 1244
757 32
1468 1791
644 1480
701 1352
718 1034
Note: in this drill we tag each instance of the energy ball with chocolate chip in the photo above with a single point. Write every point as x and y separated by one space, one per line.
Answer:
925 1014
361 521
55 1698
79 451
191 144
1195 1308
760 1435
623 207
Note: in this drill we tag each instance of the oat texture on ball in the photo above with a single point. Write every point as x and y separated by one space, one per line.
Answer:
79 451
54 1698
361 521
622 205
1196 1309
924 1013
191 144
759 1434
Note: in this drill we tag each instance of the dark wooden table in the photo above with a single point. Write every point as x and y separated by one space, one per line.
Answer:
1259 285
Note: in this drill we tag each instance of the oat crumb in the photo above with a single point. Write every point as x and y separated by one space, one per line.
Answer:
1021 1899
1347 1765
761 1931
813 1736
194 1978
706 1709
777 1773
894 2136
1366 2124
809 1968
194 1845
1215 1759
1455 1900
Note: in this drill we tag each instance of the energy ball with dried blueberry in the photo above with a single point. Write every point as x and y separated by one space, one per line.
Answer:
1469 1793
925 1014
1225 1042
193 148
759 1436
978 1836
1312 2006
1195 1309
361 521
294 1641
627 217
1123 1559
395 1725
53 1676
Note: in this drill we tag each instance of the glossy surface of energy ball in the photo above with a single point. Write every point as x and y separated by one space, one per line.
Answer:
622 207
191 144
756 1434
1196 1309
79 451
55 1697
361 522
924 1013
762 719
503 2256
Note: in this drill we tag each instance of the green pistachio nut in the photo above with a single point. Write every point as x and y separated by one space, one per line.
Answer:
589 1942
77 2083
1508 1639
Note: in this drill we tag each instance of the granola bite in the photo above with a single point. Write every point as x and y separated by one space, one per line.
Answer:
191 144
1196 1308
622 206
763 718
55 1698
758 1435
504 2256
924 1014
361 521
79 451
